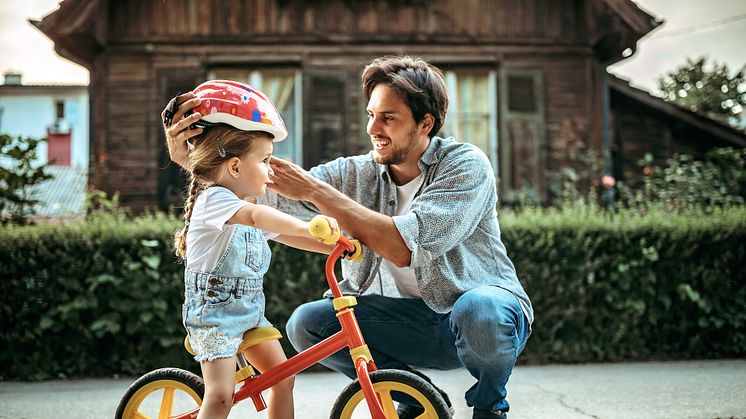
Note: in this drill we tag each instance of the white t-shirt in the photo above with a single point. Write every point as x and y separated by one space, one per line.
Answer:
404 278
209 230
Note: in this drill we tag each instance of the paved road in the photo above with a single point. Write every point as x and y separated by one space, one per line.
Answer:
700 389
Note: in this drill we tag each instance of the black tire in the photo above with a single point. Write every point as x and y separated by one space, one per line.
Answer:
184 381
397 382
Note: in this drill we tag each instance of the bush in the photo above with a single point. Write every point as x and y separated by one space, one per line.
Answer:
626 287
17 176
104 297
718 180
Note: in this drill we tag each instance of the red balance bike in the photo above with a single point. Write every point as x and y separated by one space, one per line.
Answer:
176 393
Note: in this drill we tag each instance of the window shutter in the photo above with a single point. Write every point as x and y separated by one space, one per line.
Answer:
323 115
522 93
522 132
171 179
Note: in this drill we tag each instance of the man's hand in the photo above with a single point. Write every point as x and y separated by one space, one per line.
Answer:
176 127
377 231
291 181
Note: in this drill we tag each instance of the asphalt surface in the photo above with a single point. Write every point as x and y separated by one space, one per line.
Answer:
692 389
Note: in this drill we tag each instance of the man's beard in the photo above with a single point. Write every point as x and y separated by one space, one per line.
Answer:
399 155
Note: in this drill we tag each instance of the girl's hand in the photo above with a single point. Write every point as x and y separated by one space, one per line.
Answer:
333 225
176 127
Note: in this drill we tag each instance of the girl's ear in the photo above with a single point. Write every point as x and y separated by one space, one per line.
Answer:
233 165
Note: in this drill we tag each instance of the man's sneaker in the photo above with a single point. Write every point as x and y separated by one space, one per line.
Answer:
489 414
408 411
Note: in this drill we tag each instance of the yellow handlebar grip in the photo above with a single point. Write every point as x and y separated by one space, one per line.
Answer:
319 228
357 254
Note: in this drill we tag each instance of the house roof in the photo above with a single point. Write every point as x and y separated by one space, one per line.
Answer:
698 120
637 19
35 89
79 36
72 28
64 194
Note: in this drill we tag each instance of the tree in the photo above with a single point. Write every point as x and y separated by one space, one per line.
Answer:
706 88
17 176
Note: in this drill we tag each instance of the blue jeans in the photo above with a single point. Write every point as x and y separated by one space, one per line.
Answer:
484 333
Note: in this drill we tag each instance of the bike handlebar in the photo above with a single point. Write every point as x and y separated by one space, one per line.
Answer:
319 228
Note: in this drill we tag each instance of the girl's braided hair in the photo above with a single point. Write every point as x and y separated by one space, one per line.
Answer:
212 148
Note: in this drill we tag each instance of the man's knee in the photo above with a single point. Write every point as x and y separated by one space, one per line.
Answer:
307 324
488 315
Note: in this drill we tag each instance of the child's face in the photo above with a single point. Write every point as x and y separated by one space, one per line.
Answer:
254 169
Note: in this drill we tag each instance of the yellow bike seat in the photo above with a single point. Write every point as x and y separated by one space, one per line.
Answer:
250 338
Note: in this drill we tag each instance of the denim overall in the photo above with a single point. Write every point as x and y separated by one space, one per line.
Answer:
221 305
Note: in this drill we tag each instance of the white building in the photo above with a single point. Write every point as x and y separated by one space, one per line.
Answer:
59 113
38 110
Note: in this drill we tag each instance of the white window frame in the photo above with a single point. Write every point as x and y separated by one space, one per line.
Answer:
493 141
255 79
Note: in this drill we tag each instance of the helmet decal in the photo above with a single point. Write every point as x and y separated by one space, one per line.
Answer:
240 106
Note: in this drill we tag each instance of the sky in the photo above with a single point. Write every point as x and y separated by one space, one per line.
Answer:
691 28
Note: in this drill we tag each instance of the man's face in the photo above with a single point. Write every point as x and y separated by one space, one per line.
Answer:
391 127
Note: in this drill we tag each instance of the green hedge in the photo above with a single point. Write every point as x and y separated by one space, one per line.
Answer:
627 287
104 297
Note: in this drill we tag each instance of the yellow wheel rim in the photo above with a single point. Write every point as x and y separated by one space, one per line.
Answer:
170 391
383 389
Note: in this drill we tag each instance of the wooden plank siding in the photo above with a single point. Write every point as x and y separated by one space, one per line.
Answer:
150 43
480 21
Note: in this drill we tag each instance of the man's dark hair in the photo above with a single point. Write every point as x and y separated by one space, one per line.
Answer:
421 84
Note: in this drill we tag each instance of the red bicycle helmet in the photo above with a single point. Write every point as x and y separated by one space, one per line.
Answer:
240 106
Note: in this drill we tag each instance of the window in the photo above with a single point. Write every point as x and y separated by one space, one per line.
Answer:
283 87
59 109
472 110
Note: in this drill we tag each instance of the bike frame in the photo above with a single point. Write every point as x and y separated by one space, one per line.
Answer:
350 336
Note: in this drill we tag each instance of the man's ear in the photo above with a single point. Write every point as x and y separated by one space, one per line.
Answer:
426 125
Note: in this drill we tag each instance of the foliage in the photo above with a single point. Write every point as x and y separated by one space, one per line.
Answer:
719 180
17 177
705 88
104 296
612 287
99 202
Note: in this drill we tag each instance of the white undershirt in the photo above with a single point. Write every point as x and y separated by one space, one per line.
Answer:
404 278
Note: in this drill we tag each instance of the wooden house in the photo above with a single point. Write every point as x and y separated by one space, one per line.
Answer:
527 78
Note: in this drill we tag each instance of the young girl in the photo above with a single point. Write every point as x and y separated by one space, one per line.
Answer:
224 242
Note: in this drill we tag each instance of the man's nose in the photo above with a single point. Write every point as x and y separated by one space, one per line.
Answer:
374 126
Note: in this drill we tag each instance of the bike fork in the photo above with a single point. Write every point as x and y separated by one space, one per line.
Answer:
374 402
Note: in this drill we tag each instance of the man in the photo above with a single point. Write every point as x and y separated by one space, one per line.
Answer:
425 208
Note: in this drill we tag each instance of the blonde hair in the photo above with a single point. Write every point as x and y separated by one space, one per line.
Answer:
212 148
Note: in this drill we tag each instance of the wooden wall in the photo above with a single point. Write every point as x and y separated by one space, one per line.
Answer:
481 21
155 49
639 130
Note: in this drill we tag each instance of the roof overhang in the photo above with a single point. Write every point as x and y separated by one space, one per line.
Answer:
72 28
697 120
624 25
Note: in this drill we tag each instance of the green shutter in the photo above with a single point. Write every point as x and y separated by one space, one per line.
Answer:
323 115
522 132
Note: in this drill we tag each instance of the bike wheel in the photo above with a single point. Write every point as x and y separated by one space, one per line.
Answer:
387 383
157 393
